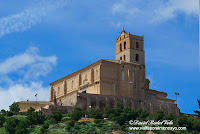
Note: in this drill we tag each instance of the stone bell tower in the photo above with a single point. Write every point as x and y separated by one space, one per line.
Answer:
129 48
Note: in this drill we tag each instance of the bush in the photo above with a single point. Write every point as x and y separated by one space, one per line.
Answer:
77 114
10 125
64 119
108 111
95 114
44 128
143 114
2 120
14 108
159 115
9 113
51 121
57 116
3 112
170 117
36 117
70 124
21 131
196 125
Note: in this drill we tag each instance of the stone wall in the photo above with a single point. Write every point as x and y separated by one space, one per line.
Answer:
88 101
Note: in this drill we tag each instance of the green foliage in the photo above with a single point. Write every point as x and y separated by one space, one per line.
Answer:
196 125
143 114
2 120
9 113
51 121
56 115
3 112
108 112
159 115
35 117
44 128
65 119
77 114
30 111
95 114
22 127
198 112
70 124
14 108
170 117
118 109
11 124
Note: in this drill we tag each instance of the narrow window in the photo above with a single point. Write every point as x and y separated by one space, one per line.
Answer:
72 84
122 75
97 74
124 58
124 45
133 76
137 57
120 58
86 77
58 91
120 47
137 45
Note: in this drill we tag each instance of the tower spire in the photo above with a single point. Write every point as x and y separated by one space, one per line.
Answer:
123 28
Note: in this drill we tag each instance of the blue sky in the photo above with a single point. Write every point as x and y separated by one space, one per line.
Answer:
42 41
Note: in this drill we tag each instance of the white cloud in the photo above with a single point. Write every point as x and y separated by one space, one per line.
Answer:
27 18
153 11
20 77
36 64
22 92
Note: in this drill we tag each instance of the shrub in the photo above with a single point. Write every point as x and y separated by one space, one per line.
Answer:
2 120
9 113
10 124
36 117
44 128
95 114
70 124
57 116
64 119
77 114
159 115
3 112
170 117
30 111
51 121
196 125
108 111
21 131
143 114
14 108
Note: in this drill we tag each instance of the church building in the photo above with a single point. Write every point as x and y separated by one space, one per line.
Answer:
107 82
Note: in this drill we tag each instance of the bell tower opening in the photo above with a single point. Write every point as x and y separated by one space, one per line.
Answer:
130 47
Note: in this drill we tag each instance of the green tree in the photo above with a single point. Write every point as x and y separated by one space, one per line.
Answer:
95 114
77 114
14 108
2 120
22 127
196 111
30 111
143 114
3 112
10 125
70 125
108 111
56 115
36 118
118 109
170 116
159 115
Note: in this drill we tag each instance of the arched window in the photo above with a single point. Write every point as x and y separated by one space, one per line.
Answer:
133 76
120 47
86 77
137 45
97 74
137 57
124 58
124 45
72 84
58 90
122 74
